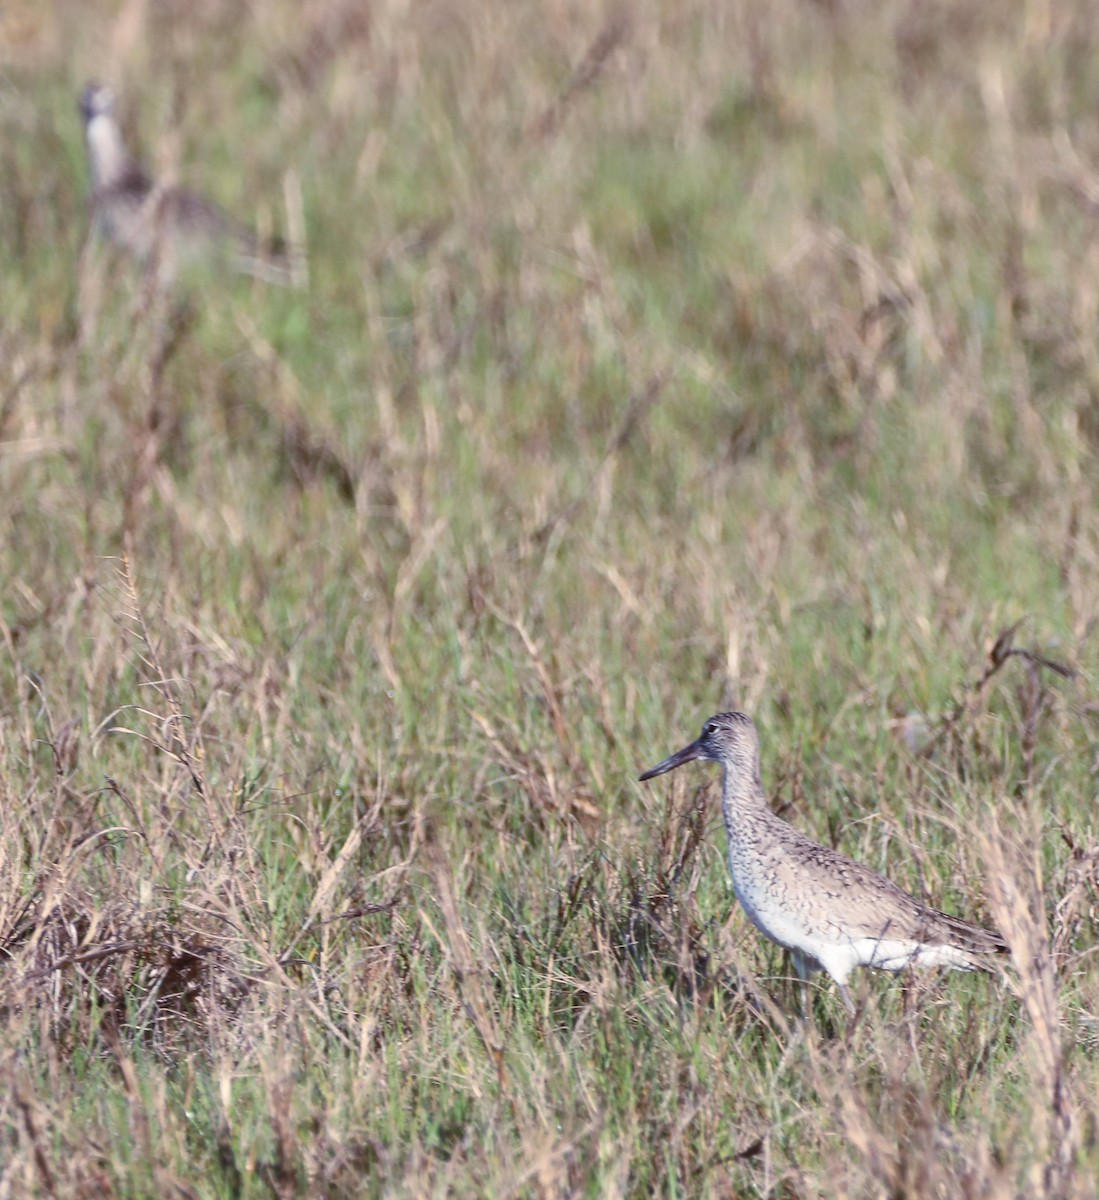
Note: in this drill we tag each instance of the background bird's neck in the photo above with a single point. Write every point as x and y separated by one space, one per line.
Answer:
106 153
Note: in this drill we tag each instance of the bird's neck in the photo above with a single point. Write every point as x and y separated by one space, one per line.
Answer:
106 154
742 794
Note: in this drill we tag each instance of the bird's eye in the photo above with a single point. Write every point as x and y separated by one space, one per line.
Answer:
709 729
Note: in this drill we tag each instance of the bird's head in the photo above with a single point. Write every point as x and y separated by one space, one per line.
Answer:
729 738
96 100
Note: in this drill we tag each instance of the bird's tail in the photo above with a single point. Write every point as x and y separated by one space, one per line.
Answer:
971 938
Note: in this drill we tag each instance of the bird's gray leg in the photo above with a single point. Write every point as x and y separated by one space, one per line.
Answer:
845 996
804 968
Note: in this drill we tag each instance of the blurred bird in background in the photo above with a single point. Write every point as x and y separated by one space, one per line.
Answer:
165 228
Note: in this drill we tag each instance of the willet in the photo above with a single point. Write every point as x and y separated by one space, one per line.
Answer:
164 228
830 912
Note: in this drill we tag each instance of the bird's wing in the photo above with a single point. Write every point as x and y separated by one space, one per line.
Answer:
873 906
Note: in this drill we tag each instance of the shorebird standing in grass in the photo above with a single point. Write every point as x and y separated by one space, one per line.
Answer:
164 228
831 913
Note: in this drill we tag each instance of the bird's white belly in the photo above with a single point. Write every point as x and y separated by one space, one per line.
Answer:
827 947
771 920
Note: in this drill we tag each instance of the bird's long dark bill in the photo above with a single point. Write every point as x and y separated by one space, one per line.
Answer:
686 755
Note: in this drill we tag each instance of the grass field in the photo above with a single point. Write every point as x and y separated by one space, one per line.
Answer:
655 359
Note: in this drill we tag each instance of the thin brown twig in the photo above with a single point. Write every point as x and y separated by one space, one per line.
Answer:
614 31
25 1103
1002 651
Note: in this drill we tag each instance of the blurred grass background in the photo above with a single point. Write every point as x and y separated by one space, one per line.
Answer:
655 359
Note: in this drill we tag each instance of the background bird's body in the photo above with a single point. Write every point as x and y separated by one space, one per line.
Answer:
164 228
830 912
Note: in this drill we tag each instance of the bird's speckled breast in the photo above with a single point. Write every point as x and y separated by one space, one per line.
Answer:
759 889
